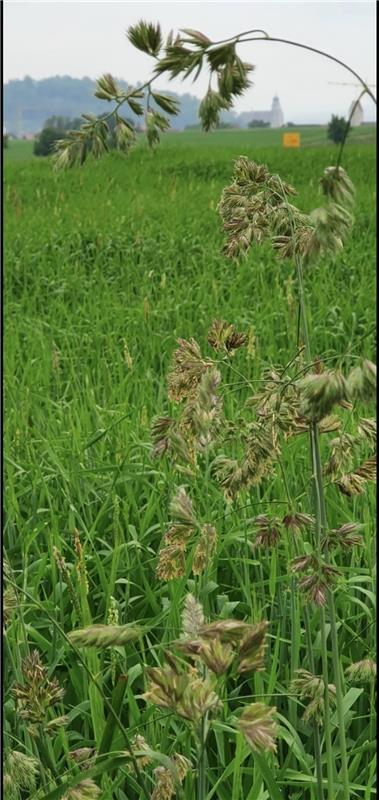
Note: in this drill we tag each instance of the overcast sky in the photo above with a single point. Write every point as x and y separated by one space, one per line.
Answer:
88 38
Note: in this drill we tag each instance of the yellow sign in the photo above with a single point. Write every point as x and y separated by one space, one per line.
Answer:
291 140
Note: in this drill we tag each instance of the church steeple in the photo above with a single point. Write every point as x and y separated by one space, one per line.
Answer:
277 119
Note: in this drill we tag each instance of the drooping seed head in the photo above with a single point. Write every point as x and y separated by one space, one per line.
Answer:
257 724
105 636
337 186
362 382
319 393
362 671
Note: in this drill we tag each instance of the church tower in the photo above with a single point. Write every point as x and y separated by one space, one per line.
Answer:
277 119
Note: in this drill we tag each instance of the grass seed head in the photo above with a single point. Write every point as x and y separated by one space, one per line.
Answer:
146 36
52 726
362 671
187 368
181 508
367 430
204 550
267 531
22 770
184 692
171 561
85 790
322 578
178 534
201 418
330 226
259 727
229 474
81 567
82 756
165 786
297 521
168 440
314 589
354 483
345 537
362 382
342 452
210 107
329 424
102 636
251 343
37 694
251 651
319 393
226 630
315 709
351 484
312 687
192 617
248 206
9 605
140 750
260 450
216 656
222 336
367 470
336 185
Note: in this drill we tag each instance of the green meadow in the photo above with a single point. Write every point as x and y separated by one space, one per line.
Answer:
106 266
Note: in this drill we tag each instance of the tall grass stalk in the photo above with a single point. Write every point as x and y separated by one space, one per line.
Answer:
308 635
321 525
327 729
202 764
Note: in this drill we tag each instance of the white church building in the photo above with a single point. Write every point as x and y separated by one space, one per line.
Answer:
274 116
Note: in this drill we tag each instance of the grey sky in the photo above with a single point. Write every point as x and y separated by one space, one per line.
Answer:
88 38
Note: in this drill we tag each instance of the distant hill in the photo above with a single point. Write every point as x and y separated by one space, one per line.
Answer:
28 103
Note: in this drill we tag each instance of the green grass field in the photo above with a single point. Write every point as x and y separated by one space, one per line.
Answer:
20 150
105 267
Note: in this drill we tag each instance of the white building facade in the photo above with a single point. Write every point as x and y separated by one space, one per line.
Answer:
274 116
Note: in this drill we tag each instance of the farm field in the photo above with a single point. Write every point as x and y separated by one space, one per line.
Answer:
20 150
105 268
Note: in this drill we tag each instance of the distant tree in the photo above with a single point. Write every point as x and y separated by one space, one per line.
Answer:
56 128
5 140
44 144
337 129
290 125
258 123
225 126
69 97
63 123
